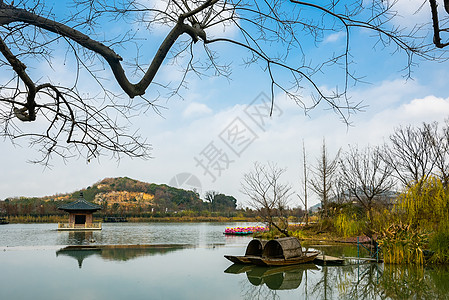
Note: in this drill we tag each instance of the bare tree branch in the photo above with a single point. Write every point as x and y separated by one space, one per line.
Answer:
267 194
30 31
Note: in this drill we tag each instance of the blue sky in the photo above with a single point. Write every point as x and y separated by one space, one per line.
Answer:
212 107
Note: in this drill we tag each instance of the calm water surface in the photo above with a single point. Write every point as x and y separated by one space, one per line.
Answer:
35 265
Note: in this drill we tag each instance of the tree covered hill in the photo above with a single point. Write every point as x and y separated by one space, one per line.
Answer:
133 193
123 195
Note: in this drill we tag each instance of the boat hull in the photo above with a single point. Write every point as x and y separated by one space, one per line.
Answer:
243 260
264 261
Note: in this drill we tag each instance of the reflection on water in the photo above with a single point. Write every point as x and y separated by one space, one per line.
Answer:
168 269
360 281
80 237
415 282
116 252
275 278
200 234
79 255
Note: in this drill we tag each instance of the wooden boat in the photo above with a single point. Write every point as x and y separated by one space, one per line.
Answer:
279 252
284 252
240 259
253 250
266 261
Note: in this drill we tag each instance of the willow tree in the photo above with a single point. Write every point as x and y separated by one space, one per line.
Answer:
426 204
279 36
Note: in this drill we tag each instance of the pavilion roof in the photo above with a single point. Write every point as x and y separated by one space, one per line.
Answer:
80 205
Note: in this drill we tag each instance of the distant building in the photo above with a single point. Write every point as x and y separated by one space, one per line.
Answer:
386 199
315 208
80 215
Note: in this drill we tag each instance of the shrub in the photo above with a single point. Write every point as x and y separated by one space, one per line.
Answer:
439 245
401 244
424 204
347 226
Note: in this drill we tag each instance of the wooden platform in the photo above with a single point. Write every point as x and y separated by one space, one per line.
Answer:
79 227
338 261
328 260
367 259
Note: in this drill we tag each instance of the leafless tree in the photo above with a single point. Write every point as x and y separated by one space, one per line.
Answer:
439 142
340 193
267 194
68 119
410 154
305 183
367 178
323 178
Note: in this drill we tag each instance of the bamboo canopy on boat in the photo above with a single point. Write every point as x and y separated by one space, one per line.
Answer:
285 248
255 248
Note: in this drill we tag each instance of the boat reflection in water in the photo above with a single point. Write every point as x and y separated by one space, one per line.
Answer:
116 252
275 278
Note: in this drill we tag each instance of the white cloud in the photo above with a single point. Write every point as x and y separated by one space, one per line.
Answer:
196 109
412 12
415 112
430 107
335 37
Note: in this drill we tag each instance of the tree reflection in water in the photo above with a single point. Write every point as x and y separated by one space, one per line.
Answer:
117 252
415 282
359 281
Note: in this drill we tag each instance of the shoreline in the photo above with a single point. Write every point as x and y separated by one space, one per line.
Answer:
182 219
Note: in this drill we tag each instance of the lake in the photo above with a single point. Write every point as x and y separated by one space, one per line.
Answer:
185 261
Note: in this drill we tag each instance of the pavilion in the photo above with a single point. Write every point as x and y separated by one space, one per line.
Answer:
80 215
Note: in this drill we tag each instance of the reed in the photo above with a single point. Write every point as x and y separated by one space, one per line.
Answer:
402 244
419 221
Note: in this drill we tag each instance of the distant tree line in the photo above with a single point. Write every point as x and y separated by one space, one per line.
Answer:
30 207
167 201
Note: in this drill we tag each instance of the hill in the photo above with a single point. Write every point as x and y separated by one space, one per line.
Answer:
130 193
122 195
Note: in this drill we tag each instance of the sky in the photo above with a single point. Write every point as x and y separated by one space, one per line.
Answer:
223 123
